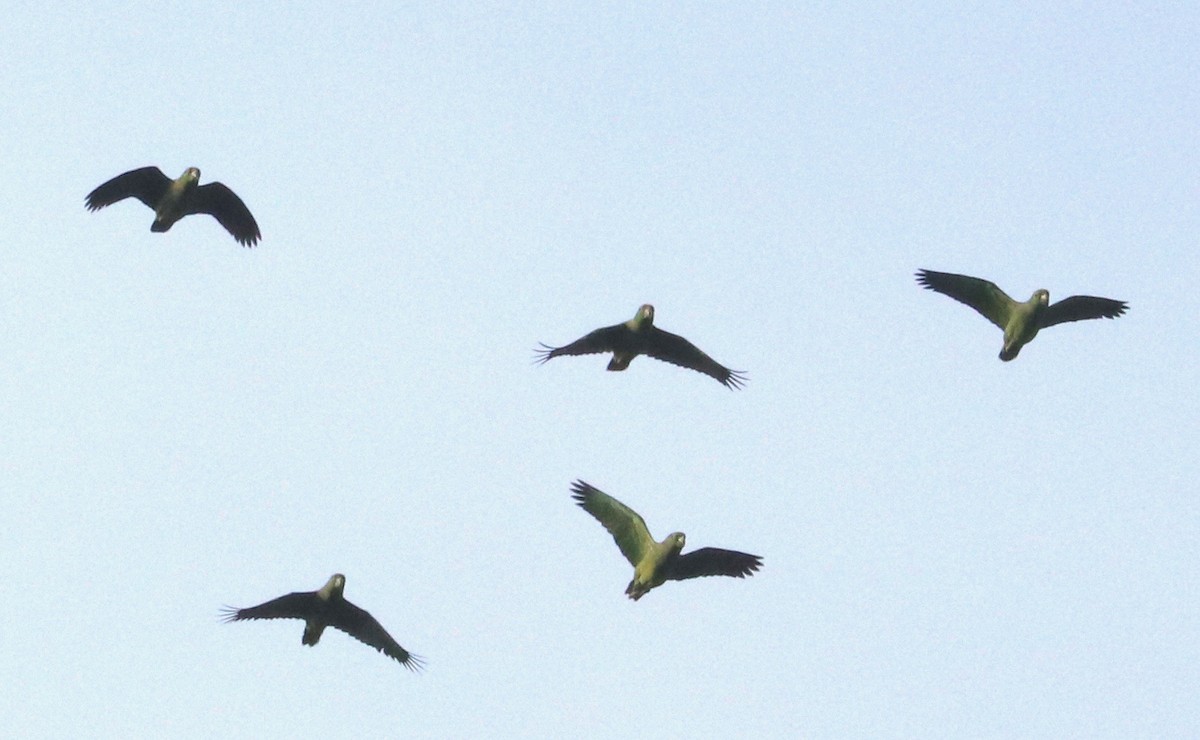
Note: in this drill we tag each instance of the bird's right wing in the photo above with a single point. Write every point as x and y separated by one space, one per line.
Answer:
982 295
147 184
606 339
1081 307
672 348
297 605
223 204
624 524
713 561
359 624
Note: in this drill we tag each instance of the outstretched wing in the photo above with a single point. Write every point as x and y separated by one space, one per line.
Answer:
359 624
713 561
982 295
224 205
1080 307
147 184
624 524
607 339
672 348
297 605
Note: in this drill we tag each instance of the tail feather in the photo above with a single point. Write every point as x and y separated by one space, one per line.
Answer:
312 633
619 362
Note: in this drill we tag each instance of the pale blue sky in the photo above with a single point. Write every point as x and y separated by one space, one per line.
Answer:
954 546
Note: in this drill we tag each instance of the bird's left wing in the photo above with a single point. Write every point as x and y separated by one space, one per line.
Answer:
606 339
713 561
982 295
672 348
297 605
147 184
223 204
625 525
359 624
1081 307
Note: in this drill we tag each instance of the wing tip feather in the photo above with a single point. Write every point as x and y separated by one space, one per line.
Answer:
581 491
735 379
542 353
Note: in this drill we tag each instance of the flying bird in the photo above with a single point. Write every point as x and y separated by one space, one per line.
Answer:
1020 321
655 563
328 608
639 336
174 199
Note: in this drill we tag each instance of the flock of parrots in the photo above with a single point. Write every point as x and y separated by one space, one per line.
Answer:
654 563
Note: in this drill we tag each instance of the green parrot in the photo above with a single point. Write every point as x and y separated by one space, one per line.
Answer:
655 563
1020 321
639 336
174 199
328 608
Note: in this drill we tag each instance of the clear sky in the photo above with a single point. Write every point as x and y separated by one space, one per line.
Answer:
953 545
